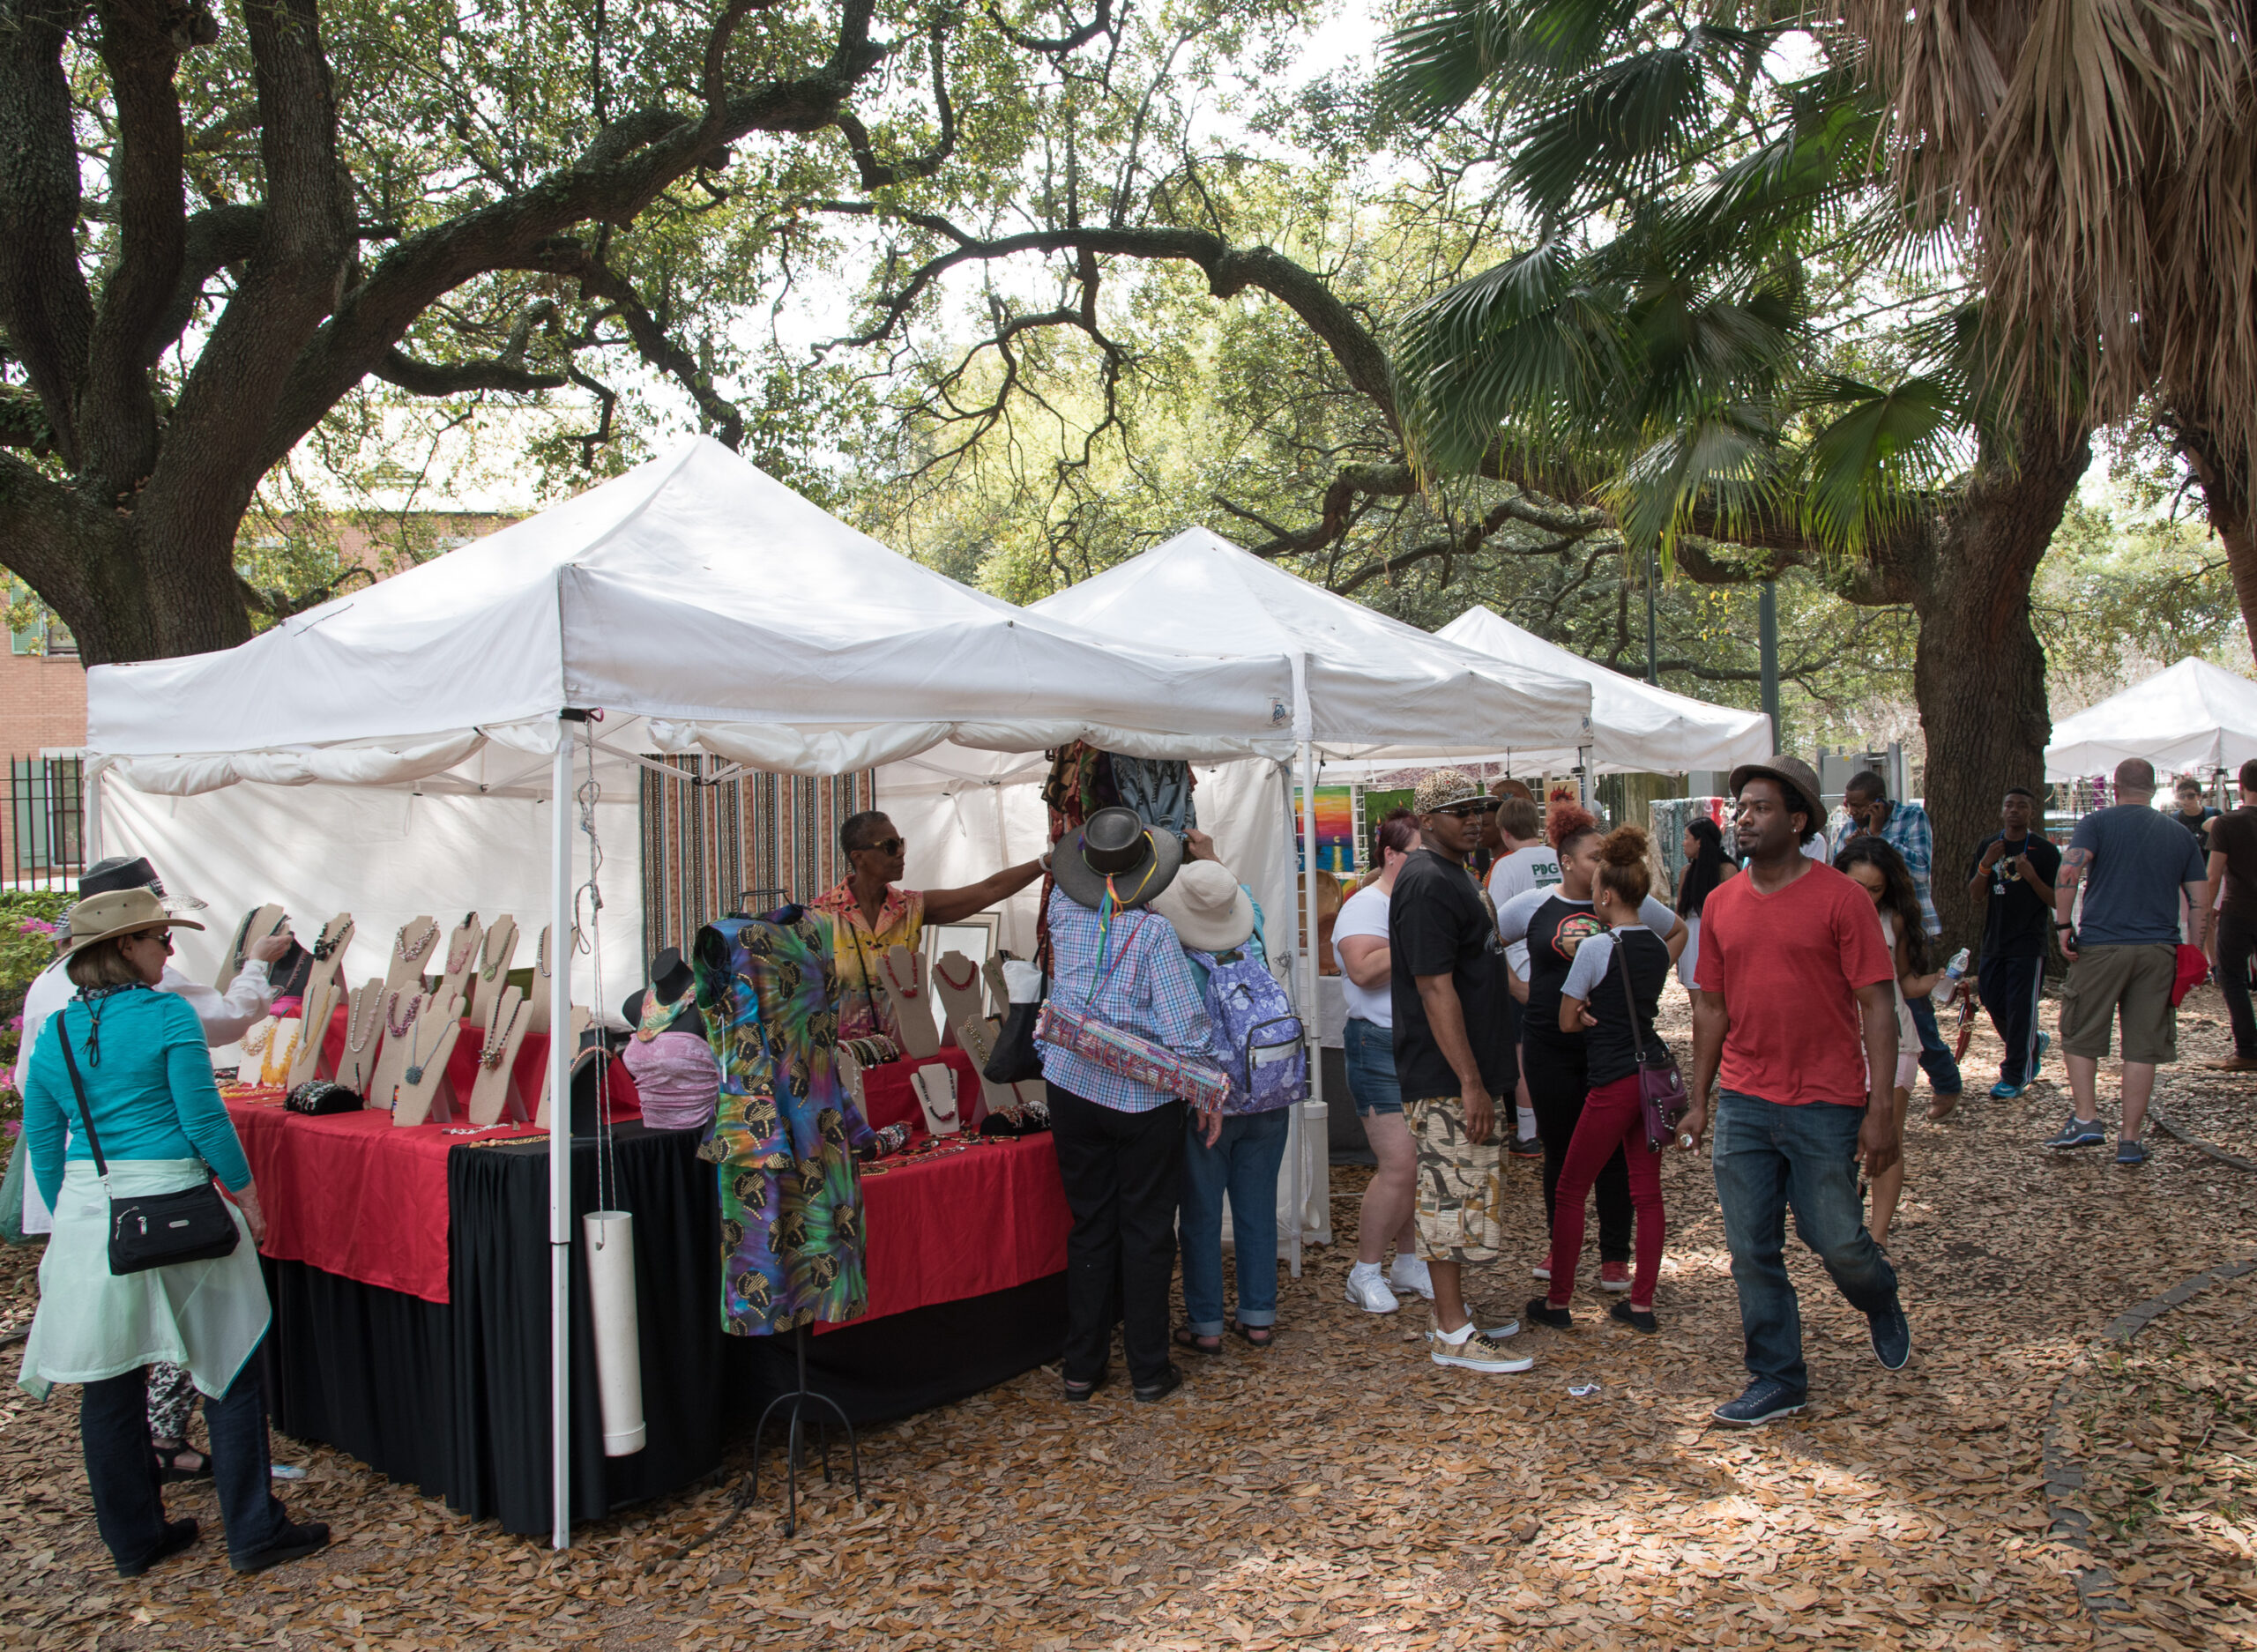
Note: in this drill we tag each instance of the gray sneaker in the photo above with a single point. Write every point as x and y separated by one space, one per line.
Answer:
2078 1133
2131 1154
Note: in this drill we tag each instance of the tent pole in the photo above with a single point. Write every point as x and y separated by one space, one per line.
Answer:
89 849
562 952
1314 1108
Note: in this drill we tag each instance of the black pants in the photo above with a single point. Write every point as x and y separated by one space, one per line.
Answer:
2237 941
1556 1089
2009 988
1123 1171
121 1465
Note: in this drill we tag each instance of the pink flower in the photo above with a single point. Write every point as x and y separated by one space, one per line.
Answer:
15 1023
36 926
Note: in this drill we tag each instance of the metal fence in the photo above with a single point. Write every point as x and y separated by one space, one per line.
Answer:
42 840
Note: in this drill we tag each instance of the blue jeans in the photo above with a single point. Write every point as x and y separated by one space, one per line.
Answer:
1243 1164
1769 1158
1368 1050
121 1465
1936 1059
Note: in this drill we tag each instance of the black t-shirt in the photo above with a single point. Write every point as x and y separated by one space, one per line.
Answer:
2235 836
2194 824
1439 923
1551 933
2016 923
1610 1048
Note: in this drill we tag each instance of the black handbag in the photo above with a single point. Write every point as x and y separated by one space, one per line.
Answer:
1014 1059
153 1230
1662 1100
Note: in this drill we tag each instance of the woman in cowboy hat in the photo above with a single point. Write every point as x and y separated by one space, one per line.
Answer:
140 1056
1119 1139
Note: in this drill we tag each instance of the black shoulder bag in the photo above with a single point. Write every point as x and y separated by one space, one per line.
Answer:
153 1230
1662 1100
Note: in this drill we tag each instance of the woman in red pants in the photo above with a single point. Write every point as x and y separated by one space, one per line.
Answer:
1612 993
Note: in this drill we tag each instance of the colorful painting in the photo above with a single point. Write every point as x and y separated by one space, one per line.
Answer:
1335 829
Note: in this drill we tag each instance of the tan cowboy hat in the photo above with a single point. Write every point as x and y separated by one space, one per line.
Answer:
1211 911
120 912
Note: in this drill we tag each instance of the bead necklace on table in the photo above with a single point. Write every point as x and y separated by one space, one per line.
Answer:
964 985
408 954
266 1037
908 992
284 1062
325 945
400 1029
358 1033
491 1051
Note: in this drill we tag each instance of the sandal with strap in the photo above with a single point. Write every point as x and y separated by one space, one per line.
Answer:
1192 1342
1253 1336
170 1470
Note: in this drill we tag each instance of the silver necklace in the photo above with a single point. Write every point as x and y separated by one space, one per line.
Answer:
408 954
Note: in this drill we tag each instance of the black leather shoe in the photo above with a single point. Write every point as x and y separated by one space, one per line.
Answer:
179 1534
297 1541
1166 1383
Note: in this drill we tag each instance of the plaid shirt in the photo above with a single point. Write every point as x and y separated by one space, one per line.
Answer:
1907 832
1149 989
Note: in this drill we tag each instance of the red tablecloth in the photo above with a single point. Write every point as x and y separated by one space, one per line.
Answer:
962 1224
888 1096
352 1194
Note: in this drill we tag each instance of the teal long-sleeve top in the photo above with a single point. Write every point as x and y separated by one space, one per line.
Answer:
152 1093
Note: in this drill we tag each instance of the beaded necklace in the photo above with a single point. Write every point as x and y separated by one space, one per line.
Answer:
400 1029
358 1033
493 960
460 956
408 954
489 1052
417 1055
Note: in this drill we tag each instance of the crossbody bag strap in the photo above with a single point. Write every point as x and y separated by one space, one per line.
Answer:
1630 999
78 1087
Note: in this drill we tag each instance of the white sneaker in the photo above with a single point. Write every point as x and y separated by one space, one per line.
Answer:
1470 1350
1368 1292
1409 1273
1543 1269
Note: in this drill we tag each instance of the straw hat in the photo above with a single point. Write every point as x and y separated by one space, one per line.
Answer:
1211 911
120 912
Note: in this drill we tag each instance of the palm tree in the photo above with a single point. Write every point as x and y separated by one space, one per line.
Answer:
1716 251
2097 161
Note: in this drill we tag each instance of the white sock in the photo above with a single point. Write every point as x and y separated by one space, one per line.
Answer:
1456 1339
1364 1270
1527 1124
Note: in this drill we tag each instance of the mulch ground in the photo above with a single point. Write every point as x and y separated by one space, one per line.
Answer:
1341 1492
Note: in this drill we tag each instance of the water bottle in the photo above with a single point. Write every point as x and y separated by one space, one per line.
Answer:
1952 973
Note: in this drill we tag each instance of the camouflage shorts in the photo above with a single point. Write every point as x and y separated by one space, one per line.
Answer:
1460 1184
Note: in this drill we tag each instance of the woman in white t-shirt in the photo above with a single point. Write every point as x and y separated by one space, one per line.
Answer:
1359 942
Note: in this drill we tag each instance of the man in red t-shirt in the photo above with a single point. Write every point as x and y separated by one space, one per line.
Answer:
1794 977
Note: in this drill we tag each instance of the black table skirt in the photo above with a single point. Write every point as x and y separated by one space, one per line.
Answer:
453 1397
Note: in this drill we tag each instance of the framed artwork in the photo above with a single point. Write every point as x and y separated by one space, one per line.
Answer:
977 937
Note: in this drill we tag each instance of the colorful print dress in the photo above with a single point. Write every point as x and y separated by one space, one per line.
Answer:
791 1238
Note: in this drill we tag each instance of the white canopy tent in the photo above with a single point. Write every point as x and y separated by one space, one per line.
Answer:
1635 726
1364 687
697 604
2193 716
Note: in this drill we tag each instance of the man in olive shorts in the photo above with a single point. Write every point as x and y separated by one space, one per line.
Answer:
2135 862
1453 1057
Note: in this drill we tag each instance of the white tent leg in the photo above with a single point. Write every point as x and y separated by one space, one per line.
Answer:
91 850
1297 1136
561 953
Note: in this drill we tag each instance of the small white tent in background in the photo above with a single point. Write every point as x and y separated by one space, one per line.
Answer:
2193 717
1635 726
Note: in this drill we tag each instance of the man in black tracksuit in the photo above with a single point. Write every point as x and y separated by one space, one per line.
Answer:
2014 869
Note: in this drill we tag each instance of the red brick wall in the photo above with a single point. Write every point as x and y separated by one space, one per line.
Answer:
42 703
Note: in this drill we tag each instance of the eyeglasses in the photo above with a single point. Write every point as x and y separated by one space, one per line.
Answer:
884 846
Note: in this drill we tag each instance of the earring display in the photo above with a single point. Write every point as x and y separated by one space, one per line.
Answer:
902 974
495 956
420 1092
364 1027
500 1035
410 943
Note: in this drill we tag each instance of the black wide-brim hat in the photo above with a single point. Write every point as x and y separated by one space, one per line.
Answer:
1115 844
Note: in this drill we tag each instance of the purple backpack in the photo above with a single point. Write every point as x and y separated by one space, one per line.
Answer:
1259 1041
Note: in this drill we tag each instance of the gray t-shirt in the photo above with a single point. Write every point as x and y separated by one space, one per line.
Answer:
2139 859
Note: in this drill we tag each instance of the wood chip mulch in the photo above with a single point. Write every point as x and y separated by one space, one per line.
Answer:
1340 1491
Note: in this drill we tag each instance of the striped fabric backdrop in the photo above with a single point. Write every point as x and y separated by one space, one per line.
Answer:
773 835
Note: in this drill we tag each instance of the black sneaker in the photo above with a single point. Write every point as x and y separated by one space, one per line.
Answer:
1764 1401
1540 1312
179 1534
1166 1383
298 1540
1892 1337
1636 1319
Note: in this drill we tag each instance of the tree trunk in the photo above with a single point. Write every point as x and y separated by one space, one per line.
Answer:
1979 671
2224 479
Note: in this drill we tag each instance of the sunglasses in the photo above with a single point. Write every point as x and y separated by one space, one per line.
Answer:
884 846
1468 809
162 937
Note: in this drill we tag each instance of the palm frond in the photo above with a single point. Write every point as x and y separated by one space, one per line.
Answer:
1879 456
1723 465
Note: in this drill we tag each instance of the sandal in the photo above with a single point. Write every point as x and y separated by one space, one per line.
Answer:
1253 1336
170 1470
1191 1342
